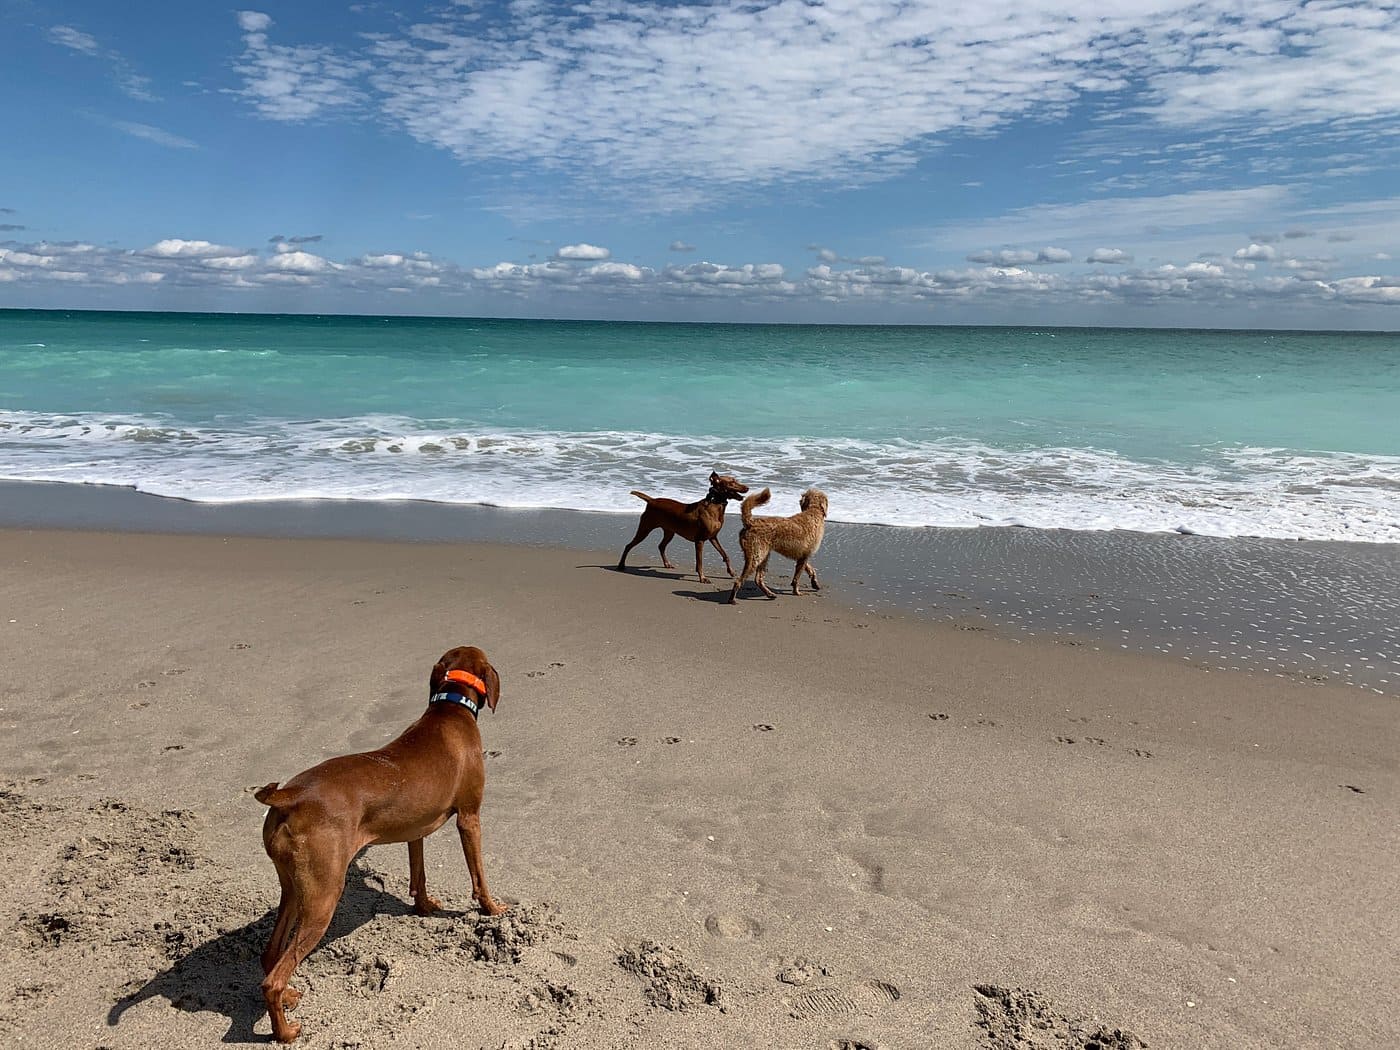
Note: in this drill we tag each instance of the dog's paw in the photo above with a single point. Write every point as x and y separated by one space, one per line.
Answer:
426 906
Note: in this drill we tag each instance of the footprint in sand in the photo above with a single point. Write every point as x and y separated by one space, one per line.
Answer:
241 645
627 741
172 671
145 685
832 1002
491 754
939 716
1353 788
1096 740
985 722
1138 752
763 727
1064 740
670 740
538 674
731 927
138 705
173 747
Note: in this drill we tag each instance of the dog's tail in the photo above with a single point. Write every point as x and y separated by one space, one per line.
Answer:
758 499
642 496
267 795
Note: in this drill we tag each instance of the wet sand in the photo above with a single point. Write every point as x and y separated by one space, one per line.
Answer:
795 823
1306 611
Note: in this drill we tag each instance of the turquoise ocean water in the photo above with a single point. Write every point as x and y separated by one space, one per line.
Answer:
1225 433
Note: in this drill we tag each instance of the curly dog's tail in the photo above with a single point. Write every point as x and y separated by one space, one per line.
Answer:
758 499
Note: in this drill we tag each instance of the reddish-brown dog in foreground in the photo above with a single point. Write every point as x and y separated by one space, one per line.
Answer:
320 819
797 537
698 522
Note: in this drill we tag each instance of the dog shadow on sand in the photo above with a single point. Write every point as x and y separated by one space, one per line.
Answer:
720 580
222 975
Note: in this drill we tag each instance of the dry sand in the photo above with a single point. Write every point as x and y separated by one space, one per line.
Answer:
785 824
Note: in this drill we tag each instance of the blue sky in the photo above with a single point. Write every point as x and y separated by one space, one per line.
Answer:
1142 162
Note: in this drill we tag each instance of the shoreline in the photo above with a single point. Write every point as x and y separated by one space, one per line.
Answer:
1307 610
844 820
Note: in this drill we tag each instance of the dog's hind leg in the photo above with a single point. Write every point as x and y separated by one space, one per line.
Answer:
739 580
812 575
418 881
761 577
666 537
644 530
723 554
700 560
287 911
318 890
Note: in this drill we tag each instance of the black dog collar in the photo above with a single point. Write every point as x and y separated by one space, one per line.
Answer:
451 696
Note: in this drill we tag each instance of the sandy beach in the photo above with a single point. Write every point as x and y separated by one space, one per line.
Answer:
791 824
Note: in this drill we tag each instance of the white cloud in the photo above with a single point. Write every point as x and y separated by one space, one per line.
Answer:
232 262
681 246
684 98
193 266
253 21
300 262
1257 252
1021 256
582 251
1109 255
1116 217
153 134
616 270
67 36
293 84
132 83
177 248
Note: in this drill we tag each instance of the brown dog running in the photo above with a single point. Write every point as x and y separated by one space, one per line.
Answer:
698 522
797 537
320 819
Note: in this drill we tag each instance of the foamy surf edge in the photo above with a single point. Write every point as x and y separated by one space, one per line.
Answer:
1226 492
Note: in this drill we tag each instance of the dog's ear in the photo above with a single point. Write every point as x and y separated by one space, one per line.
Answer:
714 477
493 687
435 677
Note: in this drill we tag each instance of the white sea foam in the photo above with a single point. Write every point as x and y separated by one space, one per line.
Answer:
1230 491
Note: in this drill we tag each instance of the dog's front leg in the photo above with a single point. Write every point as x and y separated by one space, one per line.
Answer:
469 828
418 880
725 555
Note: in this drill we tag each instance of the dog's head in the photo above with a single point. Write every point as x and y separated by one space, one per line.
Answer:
726 486
814 499
472 660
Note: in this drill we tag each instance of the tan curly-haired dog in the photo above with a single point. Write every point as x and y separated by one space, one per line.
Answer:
797 537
